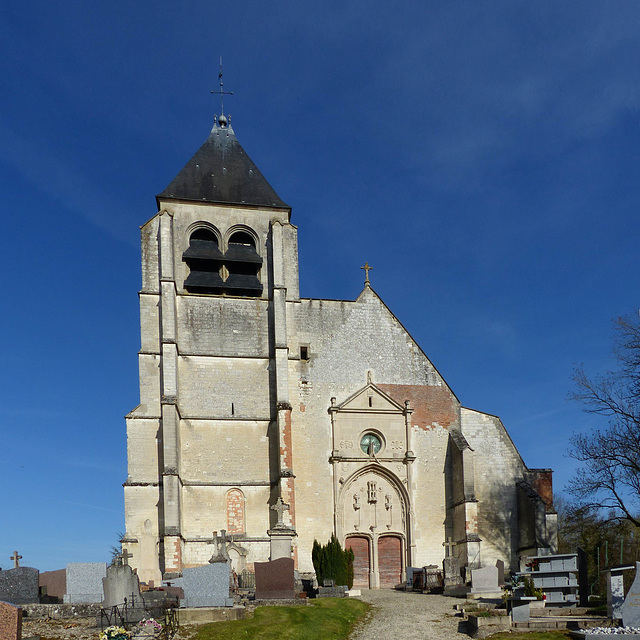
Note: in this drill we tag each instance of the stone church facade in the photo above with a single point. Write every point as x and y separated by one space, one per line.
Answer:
282 419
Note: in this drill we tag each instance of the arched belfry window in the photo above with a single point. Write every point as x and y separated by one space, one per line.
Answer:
204 259
243 264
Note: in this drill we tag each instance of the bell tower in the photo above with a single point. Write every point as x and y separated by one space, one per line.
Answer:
211 438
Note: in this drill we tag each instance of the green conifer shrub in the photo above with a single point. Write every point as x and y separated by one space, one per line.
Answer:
332 562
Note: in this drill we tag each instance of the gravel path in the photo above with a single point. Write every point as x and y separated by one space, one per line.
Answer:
399 615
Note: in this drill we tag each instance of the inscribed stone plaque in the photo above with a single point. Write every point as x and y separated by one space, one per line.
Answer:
275 580
631 606
120 583
19 585
206 586
484 580
84 582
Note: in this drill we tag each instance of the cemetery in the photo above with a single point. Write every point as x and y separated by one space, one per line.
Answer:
550 592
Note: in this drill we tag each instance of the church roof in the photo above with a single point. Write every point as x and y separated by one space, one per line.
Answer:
222 172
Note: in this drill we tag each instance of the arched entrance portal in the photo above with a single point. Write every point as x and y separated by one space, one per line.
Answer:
373 523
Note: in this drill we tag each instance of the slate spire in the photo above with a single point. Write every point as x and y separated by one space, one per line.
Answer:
223 173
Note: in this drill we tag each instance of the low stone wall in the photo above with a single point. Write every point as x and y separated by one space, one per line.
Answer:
475 622
60 611
10 622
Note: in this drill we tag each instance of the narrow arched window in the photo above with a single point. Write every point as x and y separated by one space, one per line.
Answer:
204 259
243 264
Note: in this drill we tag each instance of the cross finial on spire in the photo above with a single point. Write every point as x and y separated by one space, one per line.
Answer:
222 120
366 268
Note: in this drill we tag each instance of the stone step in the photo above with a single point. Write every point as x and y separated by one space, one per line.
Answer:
562 622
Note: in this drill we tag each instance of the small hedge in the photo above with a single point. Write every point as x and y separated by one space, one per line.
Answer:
332 562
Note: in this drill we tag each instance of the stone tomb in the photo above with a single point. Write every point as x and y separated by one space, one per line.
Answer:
120 583
485 580
84 582
206 586
275 579
631 606
19 585
10 621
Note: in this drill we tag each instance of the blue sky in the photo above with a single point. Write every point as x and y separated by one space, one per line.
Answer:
482 156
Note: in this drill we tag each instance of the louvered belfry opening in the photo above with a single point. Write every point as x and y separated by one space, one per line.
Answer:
243 264
204 259
234 272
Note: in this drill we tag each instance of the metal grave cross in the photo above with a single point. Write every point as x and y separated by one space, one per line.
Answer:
280 506
16 560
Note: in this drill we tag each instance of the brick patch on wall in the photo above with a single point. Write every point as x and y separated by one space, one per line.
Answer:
430 404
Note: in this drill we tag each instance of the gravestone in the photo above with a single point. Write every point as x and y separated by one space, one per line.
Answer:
19 585
451 571
500 567
485 580
583 578
206 586
275 579
615 591
53 586
10 622
84 582
120 583
631 606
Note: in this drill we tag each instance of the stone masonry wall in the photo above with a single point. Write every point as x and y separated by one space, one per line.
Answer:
346 340
497 466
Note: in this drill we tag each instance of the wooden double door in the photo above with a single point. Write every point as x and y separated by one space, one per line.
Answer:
376 560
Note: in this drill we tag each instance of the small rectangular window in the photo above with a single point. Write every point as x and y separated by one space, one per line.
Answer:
304 352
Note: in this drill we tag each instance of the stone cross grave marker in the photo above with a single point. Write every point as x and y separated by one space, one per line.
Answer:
124 557
16 560
448 546
280 507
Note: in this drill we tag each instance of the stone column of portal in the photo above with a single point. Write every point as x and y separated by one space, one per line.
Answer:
170 479
409 459
286 487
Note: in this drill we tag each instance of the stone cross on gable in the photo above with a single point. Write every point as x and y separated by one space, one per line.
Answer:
448 545
16 559
124 557
280 507
366 268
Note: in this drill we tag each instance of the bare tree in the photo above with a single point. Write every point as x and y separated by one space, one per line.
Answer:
610 476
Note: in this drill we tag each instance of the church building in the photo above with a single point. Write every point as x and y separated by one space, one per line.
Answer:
280 419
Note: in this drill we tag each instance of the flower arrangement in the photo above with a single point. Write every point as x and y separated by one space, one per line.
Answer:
115 633
151 623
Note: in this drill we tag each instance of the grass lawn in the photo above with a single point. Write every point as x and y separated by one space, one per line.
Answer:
323 619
